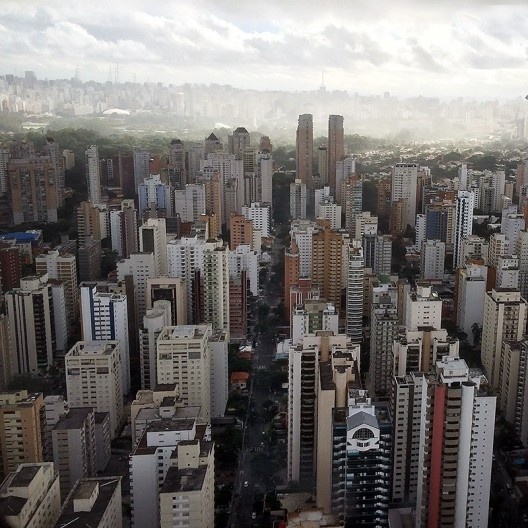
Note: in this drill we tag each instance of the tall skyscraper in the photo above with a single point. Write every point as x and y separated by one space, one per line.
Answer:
62 267
404 182
184 358
336 149
463 224
505 314
354 293
22 430
141 165
32 325
238 141
104 317
304 150
298 200
432 260
153 239
124 229
93 175
93 379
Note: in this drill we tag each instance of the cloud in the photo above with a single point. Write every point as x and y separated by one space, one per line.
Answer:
376 45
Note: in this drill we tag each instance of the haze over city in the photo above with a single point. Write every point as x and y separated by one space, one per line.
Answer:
442 49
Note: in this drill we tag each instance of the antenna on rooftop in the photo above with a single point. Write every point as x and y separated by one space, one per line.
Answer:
116 73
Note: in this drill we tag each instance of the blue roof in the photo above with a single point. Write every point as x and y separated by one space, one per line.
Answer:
22 236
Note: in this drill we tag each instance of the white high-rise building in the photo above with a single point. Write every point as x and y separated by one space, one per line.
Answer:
507 273
463 224
301 232
185 257
310 317
332 213
104 317
93 175
32 327
62 268
512 224
189 202
423 307
463 176
432 260
404 183
499 246
93 379
321 196
124 229
155 457
153 239
243 258
474 247
141 267
504 319
354 293
260 214
470 298
154 194
30 496
154 321
184 358
421 225
457 495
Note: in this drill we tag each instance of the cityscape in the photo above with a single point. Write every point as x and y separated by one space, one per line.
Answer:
292 295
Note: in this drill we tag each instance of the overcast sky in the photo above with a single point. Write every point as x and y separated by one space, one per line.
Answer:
450 48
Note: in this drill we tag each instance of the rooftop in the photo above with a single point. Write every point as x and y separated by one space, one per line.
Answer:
75 418
87 519
184 480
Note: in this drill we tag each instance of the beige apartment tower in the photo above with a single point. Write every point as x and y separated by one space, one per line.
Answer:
304 151
336 148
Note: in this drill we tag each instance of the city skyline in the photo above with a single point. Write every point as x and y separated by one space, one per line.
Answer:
470 49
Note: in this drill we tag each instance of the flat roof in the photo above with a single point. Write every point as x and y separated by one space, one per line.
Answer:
75 418
184 480
83 519
24 476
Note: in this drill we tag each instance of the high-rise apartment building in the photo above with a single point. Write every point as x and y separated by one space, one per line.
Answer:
240 232
156 318
474 248
73 445
432 260
90 255
176 168
329 249
62 267
310 317
156 453
463 224
169 289
94 502
141 165
10 268
184 358
504 319
93 176
322 164
304 150
383 332
260 215
35 182
104 317
140 267
154 196
361 461
336 150
22 430
189 202
153 239
124 229
352 198
238 141
354 292
309 411
455 449
404 182
32 325
471 293
298 200
93 379
30 496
